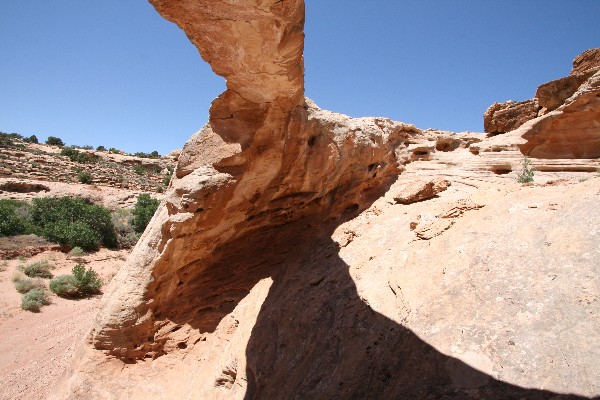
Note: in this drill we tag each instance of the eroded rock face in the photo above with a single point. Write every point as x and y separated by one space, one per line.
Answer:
508 116
504 117
567 124
586 62
572 131
268 158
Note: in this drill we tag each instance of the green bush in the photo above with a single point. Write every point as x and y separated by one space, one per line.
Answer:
82 282
31 139
78 156
54 141
143 211
7 139
77 252
89 282
126 235
39 269
64 285
141 154
138 169
73 222
34 299
14 218
114 151
100 148
527 172
24 284
85 177
166 180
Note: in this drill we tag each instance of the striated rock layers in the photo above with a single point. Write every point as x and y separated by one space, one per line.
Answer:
563 120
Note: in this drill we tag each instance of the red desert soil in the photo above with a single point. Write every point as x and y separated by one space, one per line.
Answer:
36 348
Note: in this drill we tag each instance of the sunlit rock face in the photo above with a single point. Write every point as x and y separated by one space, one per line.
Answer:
564 115
255 281
268 157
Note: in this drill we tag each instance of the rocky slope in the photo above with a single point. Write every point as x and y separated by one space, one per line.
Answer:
40 162
277 268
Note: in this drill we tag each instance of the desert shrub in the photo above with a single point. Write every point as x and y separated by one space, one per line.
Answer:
34 299
87 147
166 180
101 148
14 218
527 172
54 141
7 139
141 154
73 222
114 151
138 169
89 281
143 211
24 284
81 282
85 177
160 189
126 235
64 285
78 156
77 252
31 139
39 269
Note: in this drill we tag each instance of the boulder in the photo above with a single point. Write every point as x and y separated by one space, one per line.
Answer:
553 94
505 117
419 190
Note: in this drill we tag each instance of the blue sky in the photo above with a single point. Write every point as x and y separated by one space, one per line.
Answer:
115 73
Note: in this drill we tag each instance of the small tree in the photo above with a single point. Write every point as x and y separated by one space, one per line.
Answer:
85 177
143 211
527 172
54 141
31 139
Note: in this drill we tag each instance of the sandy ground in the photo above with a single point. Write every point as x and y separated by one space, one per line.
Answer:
36 348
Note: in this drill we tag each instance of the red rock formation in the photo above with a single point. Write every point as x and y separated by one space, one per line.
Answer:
267 158
572 131
504 117
586 62
508 116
